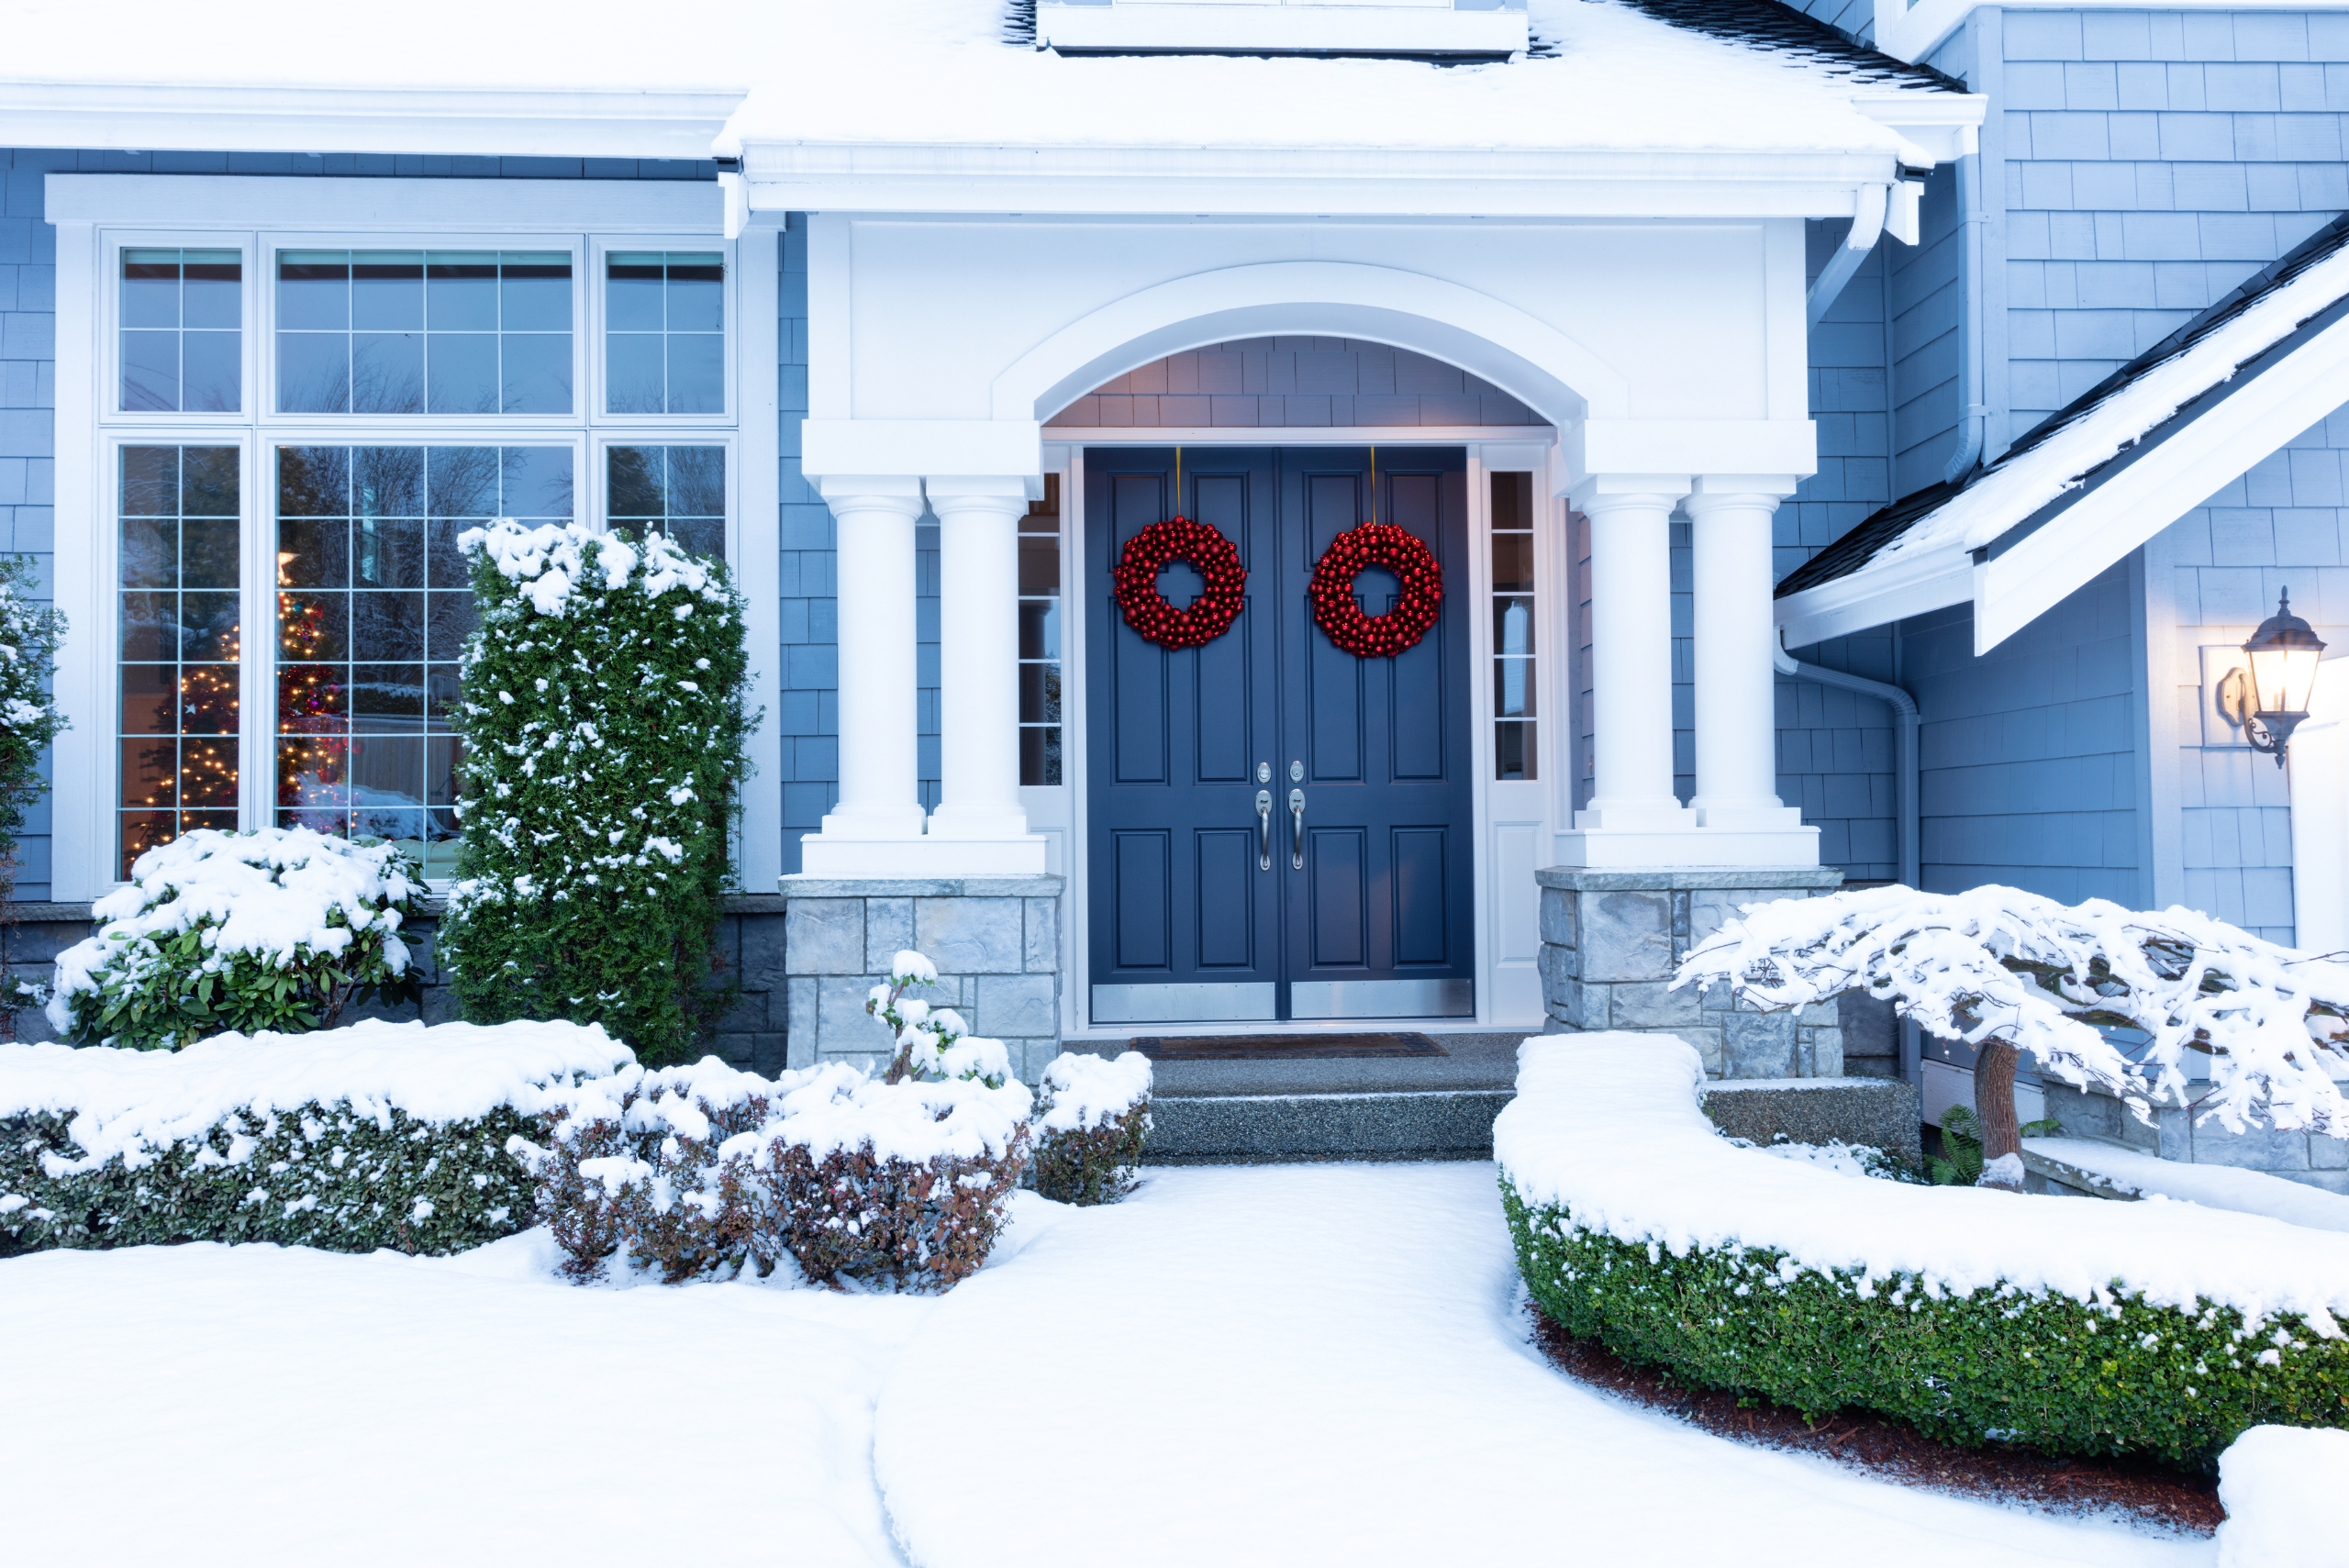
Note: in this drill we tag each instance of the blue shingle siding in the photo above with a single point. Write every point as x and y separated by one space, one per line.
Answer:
1292 382
2030 754
808 713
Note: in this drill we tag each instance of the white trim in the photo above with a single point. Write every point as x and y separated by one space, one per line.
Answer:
2170 480
1909 586
2318 760
1534 437
317 206
753 264
577 123
79 804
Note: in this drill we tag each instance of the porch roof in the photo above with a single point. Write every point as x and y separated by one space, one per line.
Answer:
1657 76
2098 478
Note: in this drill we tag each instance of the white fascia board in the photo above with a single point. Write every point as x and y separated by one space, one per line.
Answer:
261 201
514 123
920 448
1141 25
1326 181
1877 595
2145 496
1945 125
1778 447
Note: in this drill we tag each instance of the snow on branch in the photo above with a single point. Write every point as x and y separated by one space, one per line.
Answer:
2055 980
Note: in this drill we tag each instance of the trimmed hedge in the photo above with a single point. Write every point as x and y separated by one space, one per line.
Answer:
2068 1377
328 1175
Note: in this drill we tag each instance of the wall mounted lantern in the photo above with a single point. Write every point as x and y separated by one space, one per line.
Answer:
2283 654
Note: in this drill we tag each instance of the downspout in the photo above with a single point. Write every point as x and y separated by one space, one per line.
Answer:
1906 811
1867 228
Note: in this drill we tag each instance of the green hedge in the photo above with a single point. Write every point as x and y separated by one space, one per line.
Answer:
2039 1368
326 1176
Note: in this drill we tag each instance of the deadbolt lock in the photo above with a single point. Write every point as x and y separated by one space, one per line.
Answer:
1297 772
1263 773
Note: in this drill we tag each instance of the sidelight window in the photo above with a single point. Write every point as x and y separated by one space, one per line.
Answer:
1514 747
1039 637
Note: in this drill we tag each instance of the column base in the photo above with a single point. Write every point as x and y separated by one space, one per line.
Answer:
825 854
1767 817
1613 849
881 822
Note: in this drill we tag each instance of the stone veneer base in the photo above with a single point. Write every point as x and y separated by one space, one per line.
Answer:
996 940
1611 940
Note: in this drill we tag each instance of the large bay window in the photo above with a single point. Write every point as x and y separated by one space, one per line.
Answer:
292 431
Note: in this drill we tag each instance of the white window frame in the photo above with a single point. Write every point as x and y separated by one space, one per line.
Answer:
97 216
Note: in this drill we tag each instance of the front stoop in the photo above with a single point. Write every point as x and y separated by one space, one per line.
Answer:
1264 1129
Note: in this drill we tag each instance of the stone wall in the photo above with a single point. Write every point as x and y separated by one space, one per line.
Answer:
1611 939
749 940
2311 1158
996 941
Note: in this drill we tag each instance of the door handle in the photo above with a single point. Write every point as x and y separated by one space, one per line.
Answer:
1296 830
1263 830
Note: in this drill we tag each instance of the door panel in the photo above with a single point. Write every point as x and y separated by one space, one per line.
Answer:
1188 923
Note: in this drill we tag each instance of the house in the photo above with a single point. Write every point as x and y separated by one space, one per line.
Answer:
1694 345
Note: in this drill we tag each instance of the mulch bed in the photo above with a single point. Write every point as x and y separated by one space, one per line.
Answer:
2148 1493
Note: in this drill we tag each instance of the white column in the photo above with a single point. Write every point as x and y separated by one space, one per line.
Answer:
880 775
978 570
1737 731
1630 635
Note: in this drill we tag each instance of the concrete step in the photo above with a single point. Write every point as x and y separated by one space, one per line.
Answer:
1281 1128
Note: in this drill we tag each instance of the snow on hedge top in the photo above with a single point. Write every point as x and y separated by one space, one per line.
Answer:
838 1107
1997 963
1608 1127
123 1102
939 72
550 562
272 893
1083 1092
2281 1487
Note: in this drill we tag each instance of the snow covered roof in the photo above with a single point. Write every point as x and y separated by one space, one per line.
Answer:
2098 478
1744 76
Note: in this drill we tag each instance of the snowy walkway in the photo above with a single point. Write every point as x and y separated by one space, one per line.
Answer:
1288 1366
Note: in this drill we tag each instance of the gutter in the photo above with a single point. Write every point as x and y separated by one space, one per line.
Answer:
1906 719
1973 415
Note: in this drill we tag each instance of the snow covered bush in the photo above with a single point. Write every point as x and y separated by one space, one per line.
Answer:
2074 1327
29 635
932 1042
277 929
603 756
1091 1122
380 1135
2008 970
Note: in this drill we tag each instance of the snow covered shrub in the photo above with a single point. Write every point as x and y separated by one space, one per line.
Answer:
631 1165
380 1135
906 1183
2008 970
1960 1161
932 1042
604 755
29 635
1091 1123
277 929
2071 1326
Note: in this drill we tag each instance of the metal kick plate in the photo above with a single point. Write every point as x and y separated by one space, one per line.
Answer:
1200 1004
1381 999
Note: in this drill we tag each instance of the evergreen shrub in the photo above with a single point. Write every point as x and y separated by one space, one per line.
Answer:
277 929
29 635
1092 1121
2116 1375
605 736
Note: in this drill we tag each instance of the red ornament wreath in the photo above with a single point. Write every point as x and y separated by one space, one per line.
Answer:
1148 611
1337 612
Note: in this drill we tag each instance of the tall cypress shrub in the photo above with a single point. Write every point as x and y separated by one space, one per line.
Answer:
603 756
30 635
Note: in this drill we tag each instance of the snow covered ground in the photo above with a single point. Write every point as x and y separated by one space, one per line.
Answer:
1283 1365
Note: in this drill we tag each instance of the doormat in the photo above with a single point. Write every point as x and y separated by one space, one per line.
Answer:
1281 1047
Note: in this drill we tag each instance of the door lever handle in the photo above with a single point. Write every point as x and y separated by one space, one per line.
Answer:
1296 830
1263 830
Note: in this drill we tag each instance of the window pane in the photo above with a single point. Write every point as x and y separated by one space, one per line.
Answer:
679 491
1512 688
388 291
459 332
1513 625
313 372
664 343
1514 751
460 289
1512 563
180 343
462 374
386 372
179 644
537 372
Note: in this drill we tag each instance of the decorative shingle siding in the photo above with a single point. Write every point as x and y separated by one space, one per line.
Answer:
1293 382
2030 753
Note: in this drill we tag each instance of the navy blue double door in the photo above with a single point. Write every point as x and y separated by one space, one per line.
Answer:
1278 829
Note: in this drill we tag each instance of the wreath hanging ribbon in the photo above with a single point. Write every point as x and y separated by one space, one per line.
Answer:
1149 612
1338 613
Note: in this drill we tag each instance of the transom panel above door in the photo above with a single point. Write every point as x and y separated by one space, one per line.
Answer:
1279 828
